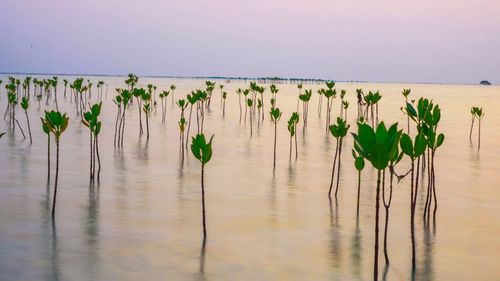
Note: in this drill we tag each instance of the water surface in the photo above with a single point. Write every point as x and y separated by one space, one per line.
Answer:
143 221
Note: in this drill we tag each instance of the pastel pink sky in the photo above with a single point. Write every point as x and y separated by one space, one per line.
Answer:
452 41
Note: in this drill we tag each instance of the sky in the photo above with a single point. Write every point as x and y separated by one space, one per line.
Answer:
438 41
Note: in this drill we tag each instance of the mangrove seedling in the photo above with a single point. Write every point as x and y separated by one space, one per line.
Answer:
203 152
224 96
249 104
338 131
57 124
275 117
359 164
25 105
91 121
377 146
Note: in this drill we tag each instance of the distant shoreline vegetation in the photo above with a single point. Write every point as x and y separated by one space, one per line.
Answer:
228 79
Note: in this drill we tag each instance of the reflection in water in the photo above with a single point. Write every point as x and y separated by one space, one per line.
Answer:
279 228
335 235
201 271
426 272
54 261
356 251
92 231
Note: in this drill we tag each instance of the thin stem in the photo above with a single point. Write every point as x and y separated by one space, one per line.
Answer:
57 176
333 168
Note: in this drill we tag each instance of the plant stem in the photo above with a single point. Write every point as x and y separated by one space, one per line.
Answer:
57 176
275 133
29 128
377 207
203 200
333 169
338 167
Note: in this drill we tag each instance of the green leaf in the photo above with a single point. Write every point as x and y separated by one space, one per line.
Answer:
381 134
366 136
440 140
379 156
406 145
420 145
359 163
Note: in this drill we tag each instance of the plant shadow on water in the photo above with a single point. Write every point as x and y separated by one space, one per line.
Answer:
335 243
356 251
202 259
92 230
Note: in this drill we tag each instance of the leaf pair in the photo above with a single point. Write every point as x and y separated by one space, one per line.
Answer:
339 130
275 114
201 149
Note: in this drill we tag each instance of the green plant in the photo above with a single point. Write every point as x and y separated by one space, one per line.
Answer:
172 89
292 129
378 147
305 98
224 96
249 104
182 127
329 93
338 131
406 93
477 113
163 96
91 121
25 105
275 118
56 123
359 164
138 93
203 152
146 99
192 99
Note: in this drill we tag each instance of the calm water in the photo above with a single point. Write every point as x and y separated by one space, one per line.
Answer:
143 222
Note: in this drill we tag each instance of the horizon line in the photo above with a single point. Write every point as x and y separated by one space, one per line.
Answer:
217 77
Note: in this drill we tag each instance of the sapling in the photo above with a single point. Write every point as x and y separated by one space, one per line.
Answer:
91 121
295 116
329 93
224 96
25 105
406 93
249 104
378 147
182 127
479 115
57 124
359 164
338 131
203 152
239 92
146 98
299 86
275 117
172 89
221 94
118 101
305 98
473 115
192 99
138 94
163 96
